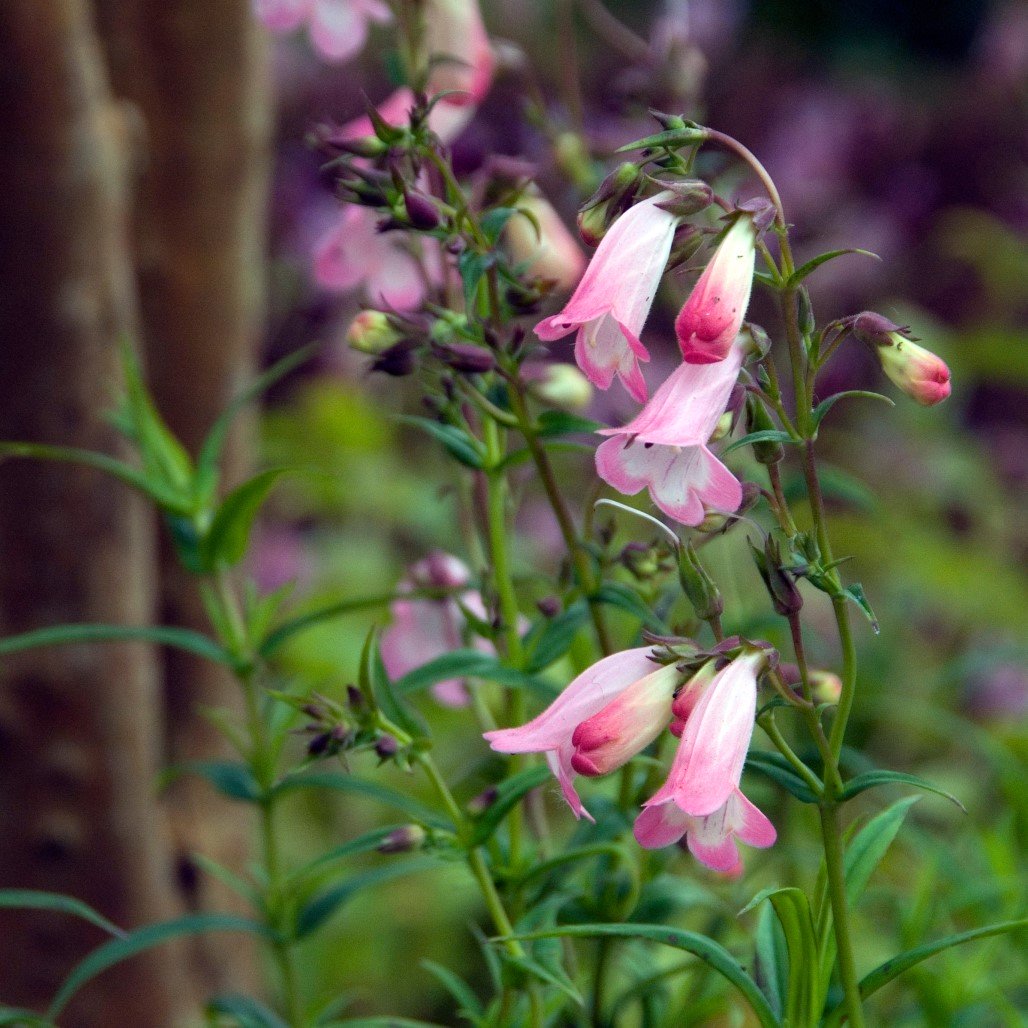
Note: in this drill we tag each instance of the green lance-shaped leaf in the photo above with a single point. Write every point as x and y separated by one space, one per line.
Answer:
142 939
767 435
469 1006
339 781
20 1018
156 489
361 844
710 952
873 779
780 771
617 594
247 1011
164 458
552 423
549 640
234 780
30 899
468 664
771 966
897 965
812 265
66 635
863 855
803 1000
325 905
227 539
508 794
457 443
826 405
214 445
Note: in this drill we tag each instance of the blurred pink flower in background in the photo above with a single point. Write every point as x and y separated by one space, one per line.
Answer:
546 246
664 449
701 798
354 253
553 730
423 629
711 317
611 303
338 28
456 40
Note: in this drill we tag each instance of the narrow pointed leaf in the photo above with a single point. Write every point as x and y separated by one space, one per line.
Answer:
779 770
30 899
767 435
826 405
873 779
229 536
66 635
231 779
508 794
143 939
707 950
812 265
457 443
248 1012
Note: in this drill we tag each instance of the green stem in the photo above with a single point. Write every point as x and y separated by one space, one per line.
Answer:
775 735
576 550
840 913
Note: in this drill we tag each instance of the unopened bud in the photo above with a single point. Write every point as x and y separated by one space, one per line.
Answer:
548 606
403 840
465 357
397 360
781 586
690 196
759 419
562 385
482 802
613 196
825 686
371 332
921 374
421 211
754 339
328 744
698 586
386 746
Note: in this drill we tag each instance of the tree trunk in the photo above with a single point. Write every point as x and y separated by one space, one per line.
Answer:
197 72
79 725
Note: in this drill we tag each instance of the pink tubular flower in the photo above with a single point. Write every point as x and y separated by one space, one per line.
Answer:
338 28
922 375
664 449
456 38
710 319
423 629
610 305
701 798
354 253
553 731
549 250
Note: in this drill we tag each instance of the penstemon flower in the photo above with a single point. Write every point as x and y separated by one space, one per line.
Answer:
710 319
611 303
338 28
544 246
423 629
922 375
596 690
664 449
701 798
456 41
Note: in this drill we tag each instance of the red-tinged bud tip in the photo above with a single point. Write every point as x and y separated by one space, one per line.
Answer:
584 765
677 727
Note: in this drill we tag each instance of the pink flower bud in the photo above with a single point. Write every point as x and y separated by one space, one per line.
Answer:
922 375
626 725
371 332
711 318
543 243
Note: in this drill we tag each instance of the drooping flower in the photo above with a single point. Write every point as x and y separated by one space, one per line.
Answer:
544 244
613 299
423 629
592 692
664 449
458 46
712 316
701 798
338 28
354 253
922 375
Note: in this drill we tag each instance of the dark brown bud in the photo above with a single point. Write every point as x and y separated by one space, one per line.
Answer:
423 213
465 357
399 360
549 606
386 746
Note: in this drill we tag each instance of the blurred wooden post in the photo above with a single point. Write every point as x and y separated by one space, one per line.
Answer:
80 726
197 72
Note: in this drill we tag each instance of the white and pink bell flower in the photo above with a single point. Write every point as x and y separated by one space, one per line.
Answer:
712 316
338 28
424 629
590 705
613 299
664 449
701 799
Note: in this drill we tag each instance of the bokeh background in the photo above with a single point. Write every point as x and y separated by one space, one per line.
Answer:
896 128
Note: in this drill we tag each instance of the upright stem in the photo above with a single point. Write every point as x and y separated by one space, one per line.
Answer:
840 910
576 551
